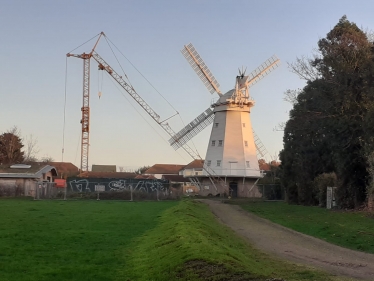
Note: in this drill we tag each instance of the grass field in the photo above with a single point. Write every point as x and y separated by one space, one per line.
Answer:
112 240
70 240
354 230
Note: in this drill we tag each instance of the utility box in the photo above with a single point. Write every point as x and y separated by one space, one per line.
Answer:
330 197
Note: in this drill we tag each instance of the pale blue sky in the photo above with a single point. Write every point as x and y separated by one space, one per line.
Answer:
36 35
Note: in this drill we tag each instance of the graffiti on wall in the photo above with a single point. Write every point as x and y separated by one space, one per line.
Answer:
92 185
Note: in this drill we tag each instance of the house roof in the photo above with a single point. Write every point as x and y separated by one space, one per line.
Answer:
145 177
32 171
104 168
164 169
111 175
175 178
65 168
195 164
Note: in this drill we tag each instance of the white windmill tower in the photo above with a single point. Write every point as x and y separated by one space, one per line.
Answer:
233 146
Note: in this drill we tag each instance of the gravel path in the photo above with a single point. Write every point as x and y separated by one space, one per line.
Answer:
294 246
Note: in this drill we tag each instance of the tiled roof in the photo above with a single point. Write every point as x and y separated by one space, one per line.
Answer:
195 164
175 178
164 169
34 167
65 168
111 175
104 168
145 177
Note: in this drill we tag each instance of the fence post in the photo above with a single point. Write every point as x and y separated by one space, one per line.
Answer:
131 192
66 187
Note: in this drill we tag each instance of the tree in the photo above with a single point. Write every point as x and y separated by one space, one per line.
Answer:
142 169
31 149
47 159
330 127
11 147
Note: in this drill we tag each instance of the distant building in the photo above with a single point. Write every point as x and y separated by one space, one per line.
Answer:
65 169
22 179
110 175
104 168
158 170
194 168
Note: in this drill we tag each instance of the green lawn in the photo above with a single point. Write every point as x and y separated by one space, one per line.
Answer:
113 240
354 230
190 244
70 240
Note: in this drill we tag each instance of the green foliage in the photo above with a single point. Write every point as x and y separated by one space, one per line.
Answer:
320 183
330 127
11 147
352 230
189 244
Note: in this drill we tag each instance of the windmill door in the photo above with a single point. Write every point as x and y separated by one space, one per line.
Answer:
233 189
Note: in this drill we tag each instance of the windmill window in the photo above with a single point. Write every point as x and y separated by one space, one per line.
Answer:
245 143
209 162
220 142
216 125
218 163
248 164
213 143
243 125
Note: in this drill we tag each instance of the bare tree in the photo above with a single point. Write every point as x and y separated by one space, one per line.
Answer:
304 68
31 150
47 159
291 96
121 168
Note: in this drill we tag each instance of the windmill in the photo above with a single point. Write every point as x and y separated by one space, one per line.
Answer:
233 145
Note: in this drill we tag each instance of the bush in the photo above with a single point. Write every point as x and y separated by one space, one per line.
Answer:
321 182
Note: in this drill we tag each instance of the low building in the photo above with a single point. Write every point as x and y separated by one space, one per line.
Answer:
65 169
104 168
194 168
111 175
22 179
158 170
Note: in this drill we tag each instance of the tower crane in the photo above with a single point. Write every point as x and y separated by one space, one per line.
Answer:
103 65
85 121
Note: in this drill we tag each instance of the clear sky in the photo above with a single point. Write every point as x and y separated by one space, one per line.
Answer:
36 35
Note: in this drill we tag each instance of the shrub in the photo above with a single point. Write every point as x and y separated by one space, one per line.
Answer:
321 182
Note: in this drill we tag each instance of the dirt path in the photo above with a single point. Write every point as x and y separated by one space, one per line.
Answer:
292 245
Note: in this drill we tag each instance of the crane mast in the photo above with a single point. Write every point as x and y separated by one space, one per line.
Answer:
85 121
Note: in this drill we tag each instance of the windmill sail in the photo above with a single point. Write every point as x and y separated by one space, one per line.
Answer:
263 70
192 129
260 148
197 63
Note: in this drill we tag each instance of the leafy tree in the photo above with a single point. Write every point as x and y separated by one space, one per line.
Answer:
11 147
330 127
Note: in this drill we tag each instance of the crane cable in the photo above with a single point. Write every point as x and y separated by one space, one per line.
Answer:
141 115
84 43
176 111
63 126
